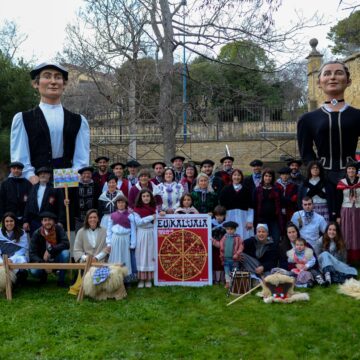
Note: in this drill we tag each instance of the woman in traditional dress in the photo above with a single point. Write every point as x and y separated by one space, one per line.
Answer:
236 198
121 234
107 201
331 251
320 190
91 239
203 195
334 128
349 198
145 215
268 204
170 192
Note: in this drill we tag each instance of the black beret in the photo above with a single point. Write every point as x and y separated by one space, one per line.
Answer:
101 158
352 164
177 157
16 164
133 163
284 170
47 65
117 163
256 162
43 169
158 162
226 158
291 161
230 224
86 168
207 161
48 214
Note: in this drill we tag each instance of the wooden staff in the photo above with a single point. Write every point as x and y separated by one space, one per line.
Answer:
67 211
243 295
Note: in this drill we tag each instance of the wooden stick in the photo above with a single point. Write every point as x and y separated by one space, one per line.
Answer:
243 295
8 279
87 267
55 266
67 212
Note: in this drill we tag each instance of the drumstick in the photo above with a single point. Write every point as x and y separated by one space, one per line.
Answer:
243 295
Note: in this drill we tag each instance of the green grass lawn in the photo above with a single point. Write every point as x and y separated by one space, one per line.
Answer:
177 323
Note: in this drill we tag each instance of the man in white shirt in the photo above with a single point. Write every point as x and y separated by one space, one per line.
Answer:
49 135
310 224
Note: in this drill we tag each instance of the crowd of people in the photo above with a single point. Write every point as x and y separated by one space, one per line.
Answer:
303 226
261 223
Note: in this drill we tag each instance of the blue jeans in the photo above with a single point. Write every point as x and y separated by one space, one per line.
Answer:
229 264
63 257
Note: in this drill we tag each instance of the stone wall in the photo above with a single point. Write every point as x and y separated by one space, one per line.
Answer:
243 151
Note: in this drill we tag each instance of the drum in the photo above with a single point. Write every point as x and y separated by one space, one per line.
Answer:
241 283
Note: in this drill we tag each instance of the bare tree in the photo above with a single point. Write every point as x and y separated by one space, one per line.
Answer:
109 33
121 29
10 39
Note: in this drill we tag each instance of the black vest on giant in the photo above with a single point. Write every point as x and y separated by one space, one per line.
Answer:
40 142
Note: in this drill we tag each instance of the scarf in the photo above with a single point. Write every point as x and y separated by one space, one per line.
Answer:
260 248
203 194
121 217
283 184
316 189
237 187
352 186
50 237
308 216
145 210
295 175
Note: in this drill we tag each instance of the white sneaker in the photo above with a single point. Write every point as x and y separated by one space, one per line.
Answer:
140 284
148 284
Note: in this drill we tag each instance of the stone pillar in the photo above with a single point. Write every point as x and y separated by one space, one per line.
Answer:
314 62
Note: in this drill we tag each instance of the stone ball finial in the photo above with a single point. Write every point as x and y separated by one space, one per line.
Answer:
314 43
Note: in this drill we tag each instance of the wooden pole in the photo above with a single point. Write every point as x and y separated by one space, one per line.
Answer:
67 212
8 279
243 295
87 267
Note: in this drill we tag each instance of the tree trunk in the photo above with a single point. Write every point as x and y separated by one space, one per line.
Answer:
166 75
132 117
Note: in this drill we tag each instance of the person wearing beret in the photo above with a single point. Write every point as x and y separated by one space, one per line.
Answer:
289 195
14 192
133 168
231 246
253 181
43 197
227 168
102 173
159 169
84 197
207 167
49 243
49 135
123 184
295 176
178 167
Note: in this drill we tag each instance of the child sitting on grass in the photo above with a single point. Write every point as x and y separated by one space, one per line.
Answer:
303 258
231 246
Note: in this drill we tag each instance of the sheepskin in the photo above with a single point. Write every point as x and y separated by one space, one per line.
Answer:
3 278
287 283
112 287
351 287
